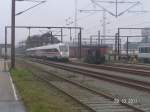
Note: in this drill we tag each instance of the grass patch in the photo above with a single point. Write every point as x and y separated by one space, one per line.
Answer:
38 96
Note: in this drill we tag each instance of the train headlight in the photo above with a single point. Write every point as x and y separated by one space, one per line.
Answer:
61 53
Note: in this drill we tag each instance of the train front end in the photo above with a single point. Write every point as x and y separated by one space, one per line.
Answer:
64 51
144 52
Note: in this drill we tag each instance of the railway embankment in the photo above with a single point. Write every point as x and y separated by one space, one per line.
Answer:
37 95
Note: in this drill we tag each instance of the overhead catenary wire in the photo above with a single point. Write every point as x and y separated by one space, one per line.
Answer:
116 2
30 8
30 1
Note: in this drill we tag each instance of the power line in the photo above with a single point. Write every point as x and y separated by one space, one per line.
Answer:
78 19
39 3
117 3
104 18
84 17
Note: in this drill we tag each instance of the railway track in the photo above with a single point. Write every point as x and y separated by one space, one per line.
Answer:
134 66
132 83
94 101
141 71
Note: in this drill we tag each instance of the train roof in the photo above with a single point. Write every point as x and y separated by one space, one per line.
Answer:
46 46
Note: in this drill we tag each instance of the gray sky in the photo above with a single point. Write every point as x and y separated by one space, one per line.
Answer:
54 13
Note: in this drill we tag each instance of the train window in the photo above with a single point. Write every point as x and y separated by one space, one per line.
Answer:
54 50
148 49
144 50
51 50
63 48
139 50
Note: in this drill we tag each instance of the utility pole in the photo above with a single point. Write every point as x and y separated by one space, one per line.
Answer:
5 48
104 25
75 18
99 39
13 14
13 34
70 35
5 43
51 36
29 32
116 8
61 35
104 20
91 41
127 47
116 45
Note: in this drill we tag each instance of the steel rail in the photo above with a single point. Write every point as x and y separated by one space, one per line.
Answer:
134 66
85 87
116 79
118 68
48 82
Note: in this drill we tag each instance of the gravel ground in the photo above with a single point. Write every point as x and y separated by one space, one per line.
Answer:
129 95
126 75
51 99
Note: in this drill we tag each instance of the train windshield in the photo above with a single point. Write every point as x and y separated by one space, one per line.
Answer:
63 48
144 50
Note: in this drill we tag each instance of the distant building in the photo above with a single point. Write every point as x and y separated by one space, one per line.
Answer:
2 50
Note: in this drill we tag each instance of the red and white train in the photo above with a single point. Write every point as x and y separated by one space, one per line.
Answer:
62 51
59 51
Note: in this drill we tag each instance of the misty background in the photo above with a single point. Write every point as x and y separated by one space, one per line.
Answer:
55 13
